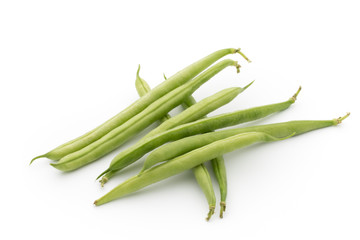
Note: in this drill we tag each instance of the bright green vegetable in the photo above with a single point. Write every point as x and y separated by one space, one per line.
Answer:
132 154
149 115
201 173
184 162
138 106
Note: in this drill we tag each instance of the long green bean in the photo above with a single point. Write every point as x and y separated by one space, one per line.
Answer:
152 113
138 106
184 162
132 154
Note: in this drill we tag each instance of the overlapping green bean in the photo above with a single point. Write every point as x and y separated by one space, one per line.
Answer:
201 173
138 106
183 142
142 88
184 162
279 130
133 153
149 115
211 150
218 166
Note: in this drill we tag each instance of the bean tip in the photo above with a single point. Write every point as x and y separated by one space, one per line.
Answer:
294 97
243 55
244 88
103 181
340 119
210 213
222 209
32 160
238 66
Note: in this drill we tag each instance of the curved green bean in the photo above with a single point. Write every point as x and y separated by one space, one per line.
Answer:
201 173
132 154
138 106
184 162
152 113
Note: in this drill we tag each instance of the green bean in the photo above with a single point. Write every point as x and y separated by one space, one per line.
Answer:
218 165
184 162
200 126
201 173
203 179
211 150
198 110
152 113
279 130
142 87
138 106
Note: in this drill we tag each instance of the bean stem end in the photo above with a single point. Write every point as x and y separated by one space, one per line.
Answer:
222 209
294 97
103 181
243 55
41 156
340 119
210 213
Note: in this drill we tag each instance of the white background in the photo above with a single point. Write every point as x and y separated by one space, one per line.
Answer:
67 66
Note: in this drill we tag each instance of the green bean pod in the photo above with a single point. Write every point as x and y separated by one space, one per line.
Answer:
152 113
218 166
211 150
203 179
198 110
138 106
201 173
200 126
142 87
279 130
184 162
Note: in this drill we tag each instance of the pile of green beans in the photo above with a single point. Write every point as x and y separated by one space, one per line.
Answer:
182 142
